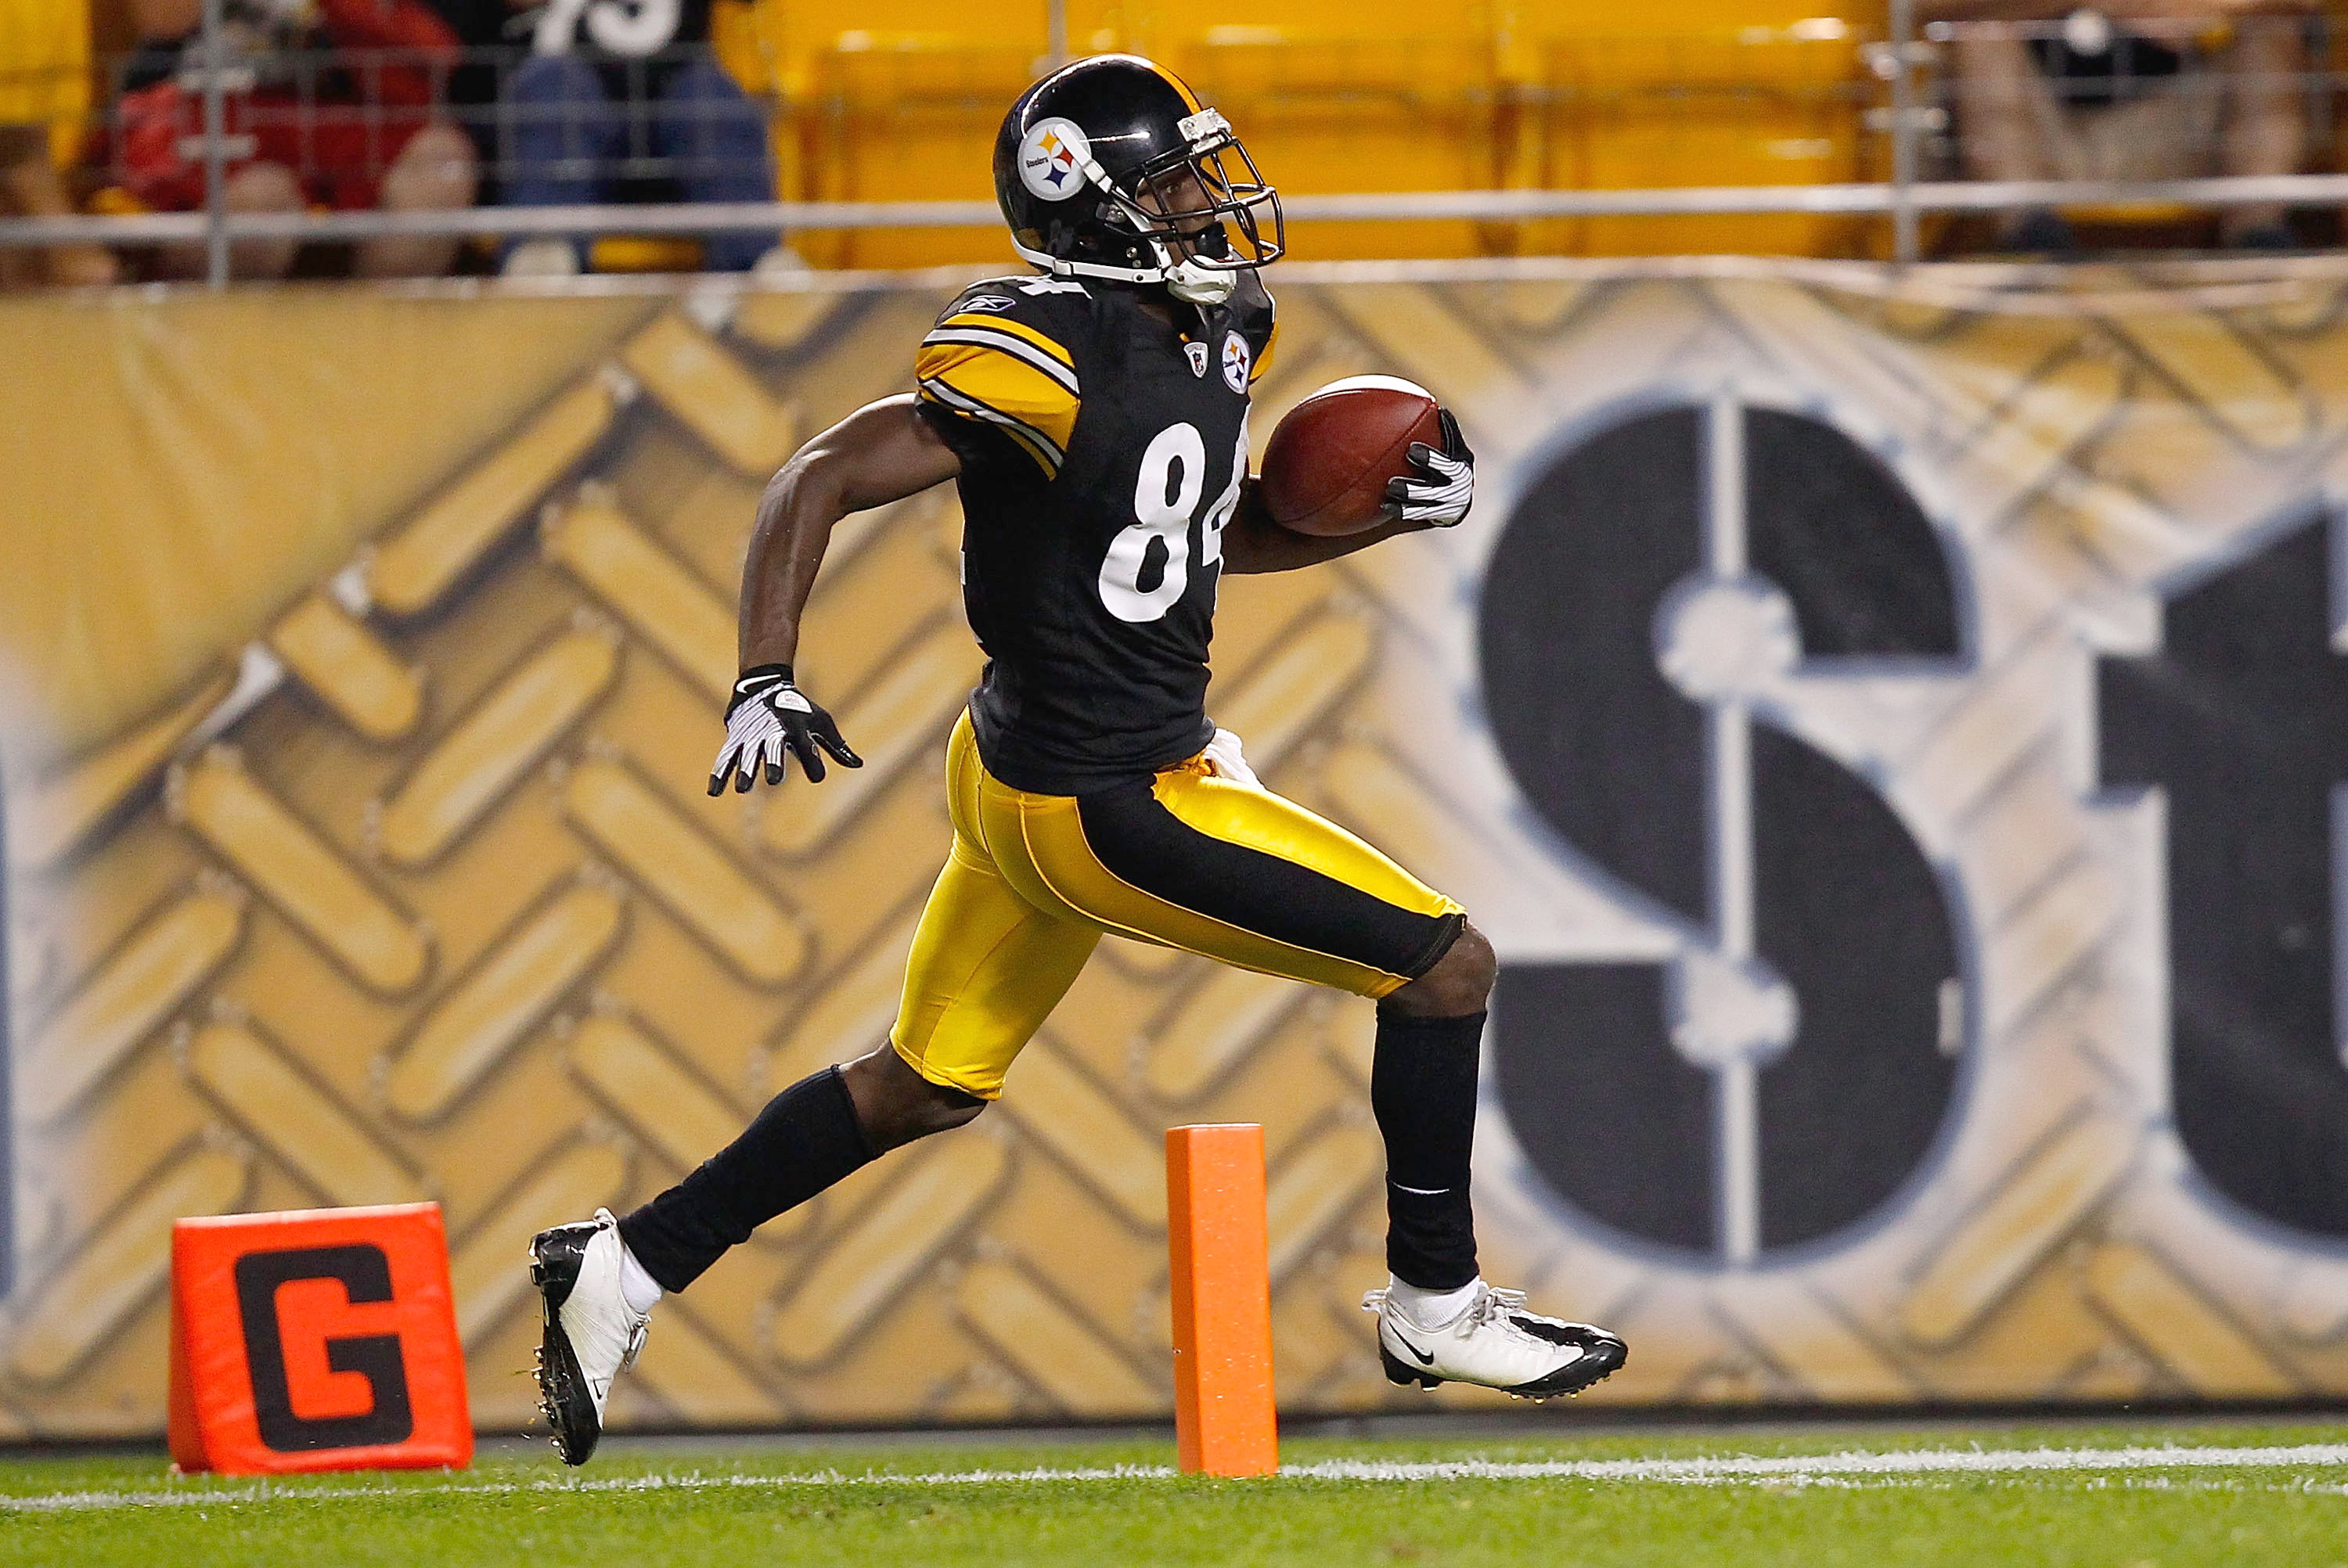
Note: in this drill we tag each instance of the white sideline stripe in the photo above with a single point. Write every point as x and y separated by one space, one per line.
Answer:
291 1490
1699 1472
1898 1462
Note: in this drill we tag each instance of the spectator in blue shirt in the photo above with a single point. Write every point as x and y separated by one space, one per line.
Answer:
622 100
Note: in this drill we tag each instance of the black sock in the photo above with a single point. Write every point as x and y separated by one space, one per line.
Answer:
805 1139
1423 1091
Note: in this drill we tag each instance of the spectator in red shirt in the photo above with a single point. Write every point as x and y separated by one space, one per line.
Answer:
351 134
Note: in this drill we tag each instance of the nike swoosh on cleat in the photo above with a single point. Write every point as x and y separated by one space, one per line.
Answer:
1425 1358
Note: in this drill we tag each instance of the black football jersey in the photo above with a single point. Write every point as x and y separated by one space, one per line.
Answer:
1102 454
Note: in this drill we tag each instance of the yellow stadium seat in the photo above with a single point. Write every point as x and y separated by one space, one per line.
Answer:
644 253
1698 93
44 47
906 117
741 47
1324 114
900 99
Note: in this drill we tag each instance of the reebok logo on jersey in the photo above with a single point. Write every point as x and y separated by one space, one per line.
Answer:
986 302
1197 353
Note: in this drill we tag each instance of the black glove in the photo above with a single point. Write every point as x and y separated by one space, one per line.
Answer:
1448 489
766 716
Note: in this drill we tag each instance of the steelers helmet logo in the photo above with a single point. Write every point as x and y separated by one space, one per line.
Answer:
1052 155
1235 362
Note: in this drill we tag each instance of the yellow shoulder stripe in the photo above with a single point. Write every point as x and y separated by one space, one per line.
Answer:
991 386
1005 384
984 321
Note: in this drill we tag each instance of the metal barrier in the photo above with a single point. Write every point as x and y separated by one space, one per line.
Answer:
1956 131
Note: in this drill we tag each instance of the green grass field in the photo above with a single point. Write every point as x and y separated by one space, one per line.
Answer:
1870 1496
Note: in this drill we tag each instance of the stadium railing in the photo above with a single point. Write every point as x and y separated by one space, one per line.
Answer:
1816 138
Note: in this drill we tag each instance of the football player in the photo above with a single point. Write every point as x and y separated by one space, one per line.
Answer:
1095 416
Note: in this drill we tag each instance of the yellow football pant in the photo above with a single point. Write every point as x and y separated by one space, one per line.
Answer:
1185 860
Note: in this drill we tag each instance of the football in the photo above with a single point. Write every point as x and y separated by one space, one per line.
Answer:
1326 467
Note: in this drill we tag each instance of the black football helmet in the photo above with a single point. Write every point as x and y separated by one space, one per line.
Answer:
1094 167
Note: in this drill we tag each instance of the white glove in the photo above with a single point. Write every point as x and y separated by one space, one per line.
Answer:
1448 488
1226 761
767 717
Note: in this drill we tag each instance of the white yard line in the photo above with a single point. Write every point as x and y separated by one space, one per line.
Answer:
1795 1469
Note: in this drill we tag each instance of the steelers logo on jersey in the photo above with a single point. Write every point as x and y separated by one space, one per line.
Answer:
1051 159
1235 363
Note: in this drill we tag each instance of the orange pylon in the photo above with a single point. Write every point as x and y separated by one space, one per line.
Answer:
1220 1257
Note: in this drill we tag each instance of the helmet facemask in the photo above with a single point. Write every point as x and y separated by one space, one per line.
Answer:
1198 223
1187 208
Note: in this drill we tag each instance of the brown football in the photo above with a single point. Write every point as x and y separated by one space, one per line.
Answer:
1326 467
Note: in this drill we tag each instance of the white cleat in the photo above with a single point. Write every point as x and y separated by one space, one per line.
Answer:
590 1336
1495 1343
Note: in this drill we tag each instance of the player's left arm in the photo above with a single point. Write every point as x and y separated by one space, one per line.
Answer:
1437 497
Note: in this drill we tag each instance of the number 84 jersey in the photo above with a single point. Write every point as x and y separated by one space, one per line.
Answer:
1103 448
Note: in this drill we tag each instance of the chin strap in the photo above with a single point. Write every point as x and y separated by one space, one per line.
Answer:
1197 285
1186 280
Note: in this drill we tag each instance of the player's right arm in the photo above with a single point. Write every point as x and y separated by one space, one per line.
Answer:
880 452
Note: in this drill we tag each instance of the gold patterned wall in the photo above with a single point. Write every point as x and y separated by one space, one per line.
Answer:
408 887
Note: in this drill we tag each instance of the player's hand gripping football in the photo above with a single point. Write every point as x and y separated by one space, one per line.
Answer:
1446 486
767 717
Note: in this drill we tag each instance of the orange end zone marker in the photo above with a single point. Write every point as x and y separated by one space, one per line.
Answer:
318 1339
1219 1256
